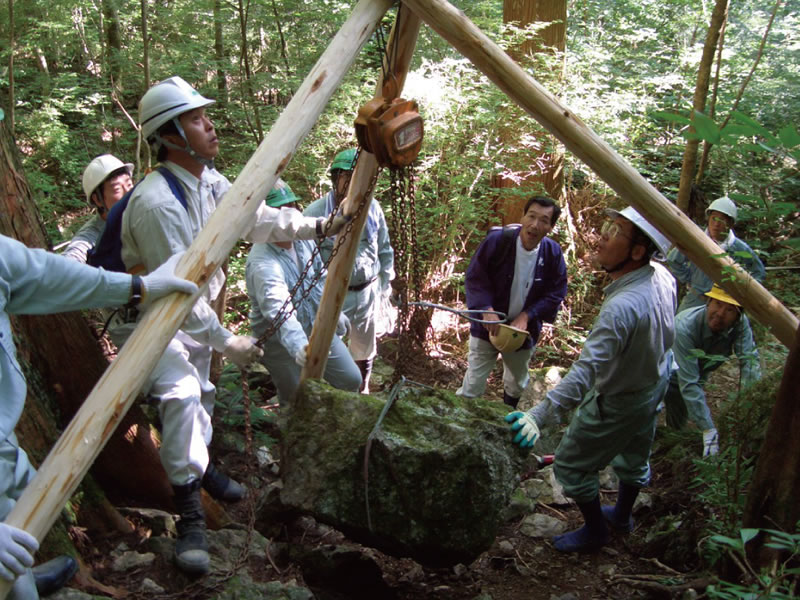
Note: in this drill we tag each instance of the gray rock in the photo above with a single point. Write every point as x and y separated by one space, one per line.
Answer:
242 587
542 526
608 479
132 560
70 594
441 470
158 521
151 587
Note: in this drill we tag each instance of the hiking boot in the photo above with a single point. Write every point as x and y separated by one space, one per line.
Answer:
619 515
589 538
509 400
191 547
220 486
52 575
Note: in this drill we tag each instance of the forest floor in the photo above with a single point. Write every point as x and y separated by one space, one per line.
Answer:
660 559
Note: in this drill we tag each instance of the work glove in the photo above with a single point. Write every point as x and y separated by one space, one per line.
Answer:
527 431
710 442
343 325
242 351
302 356
162 282
16 551
332 225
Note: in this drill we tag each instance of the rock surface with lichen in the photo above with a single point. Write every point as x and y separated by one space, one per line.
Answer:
440 470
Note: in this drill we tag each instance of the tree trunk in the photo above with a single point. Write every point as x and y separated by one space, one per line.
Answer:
772 500
546 168
114 38
219 53
699 103
255 123
145 47
65 358
11 66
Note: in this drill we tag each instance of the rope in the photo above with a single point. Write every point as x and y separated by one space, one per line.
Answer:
466 313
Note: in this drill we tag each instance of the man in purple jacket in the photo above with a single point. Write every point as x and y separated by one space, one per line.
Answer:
520 272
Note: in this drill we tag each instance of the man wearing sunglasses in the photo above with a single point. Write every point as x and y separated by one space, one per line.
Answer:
721 215
616 383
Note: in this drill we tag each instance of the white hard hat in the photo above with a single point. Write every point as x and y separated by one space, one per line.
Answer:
99 169
630 213
724 205
165 101
508 338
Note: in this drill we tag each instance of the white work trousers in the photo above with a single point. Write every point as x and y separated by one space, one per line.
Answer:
482 358
361 307
15 474
186 403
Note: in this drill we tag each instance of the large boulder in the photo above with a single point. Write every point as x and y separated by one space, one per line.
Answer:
441 469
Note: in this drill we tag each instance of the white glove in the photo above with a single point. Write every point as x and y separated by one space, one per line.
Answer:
343 325
241 350
332 225
710 442
527 431
302 356
16 551
162 282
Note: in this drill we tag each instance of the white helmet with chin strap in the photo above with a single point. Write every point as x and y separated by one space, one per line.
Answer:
97 171
164 102
724 205
630 213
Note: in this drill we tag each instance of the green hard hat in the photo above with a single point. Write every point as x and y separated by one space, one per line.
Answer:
344 160
281 194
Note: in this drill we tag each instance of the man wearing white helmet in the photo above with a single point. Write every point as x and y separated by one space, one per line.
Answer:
616 383
105 181
155 225
717 328
721 215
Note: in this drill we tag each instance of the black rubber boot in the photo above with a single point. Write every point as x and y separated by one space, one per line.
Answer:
589 538
365 366
220 486
620 516
510 400
191 548
52 575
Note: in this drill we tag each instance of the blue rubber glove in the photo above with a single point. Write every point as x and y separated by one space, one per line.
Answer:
527 431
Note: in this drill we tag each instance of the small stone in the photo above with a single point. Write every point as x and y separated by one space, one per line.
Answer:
459 570
132 560
542 526
151 587
607 570
506 548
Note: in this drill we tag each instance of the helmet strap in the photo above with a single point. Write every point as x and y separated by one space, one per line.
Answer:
160 141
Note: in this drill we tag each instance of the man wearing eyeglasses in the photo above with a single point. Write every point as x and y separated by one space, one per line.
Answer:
616 383
721 215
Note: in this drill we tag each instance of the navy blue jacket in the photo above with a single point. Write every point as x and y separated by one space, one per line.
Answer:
488 282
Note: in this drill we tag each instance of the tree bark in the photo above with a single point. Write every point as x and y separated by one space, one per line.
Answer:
145 46
699 103
772 500
64 354
11 66
545 168
219 53
114 38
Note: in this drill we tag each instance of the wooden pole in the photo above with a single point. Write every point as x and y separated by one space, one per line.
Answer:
402 40
457 29
71 457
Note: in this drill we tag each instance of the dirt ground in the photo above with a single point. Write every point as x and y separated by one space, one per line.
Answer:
645 564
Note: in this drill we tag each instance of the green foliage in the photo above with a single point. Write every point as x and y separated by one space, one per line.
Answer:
779 583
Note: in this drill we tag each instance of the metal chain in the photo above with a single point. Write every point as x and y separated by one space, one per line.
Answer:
288 307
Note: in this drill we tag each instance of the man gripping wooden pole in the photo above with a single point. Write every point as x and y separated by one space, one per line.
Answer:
69 460
457 29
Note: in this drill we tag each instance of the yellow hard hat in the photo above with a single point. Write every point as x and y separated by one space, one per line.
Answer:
718 293
508 338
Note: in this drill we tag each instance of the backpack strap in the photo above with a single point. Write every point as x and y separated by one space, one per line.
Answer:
174 185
